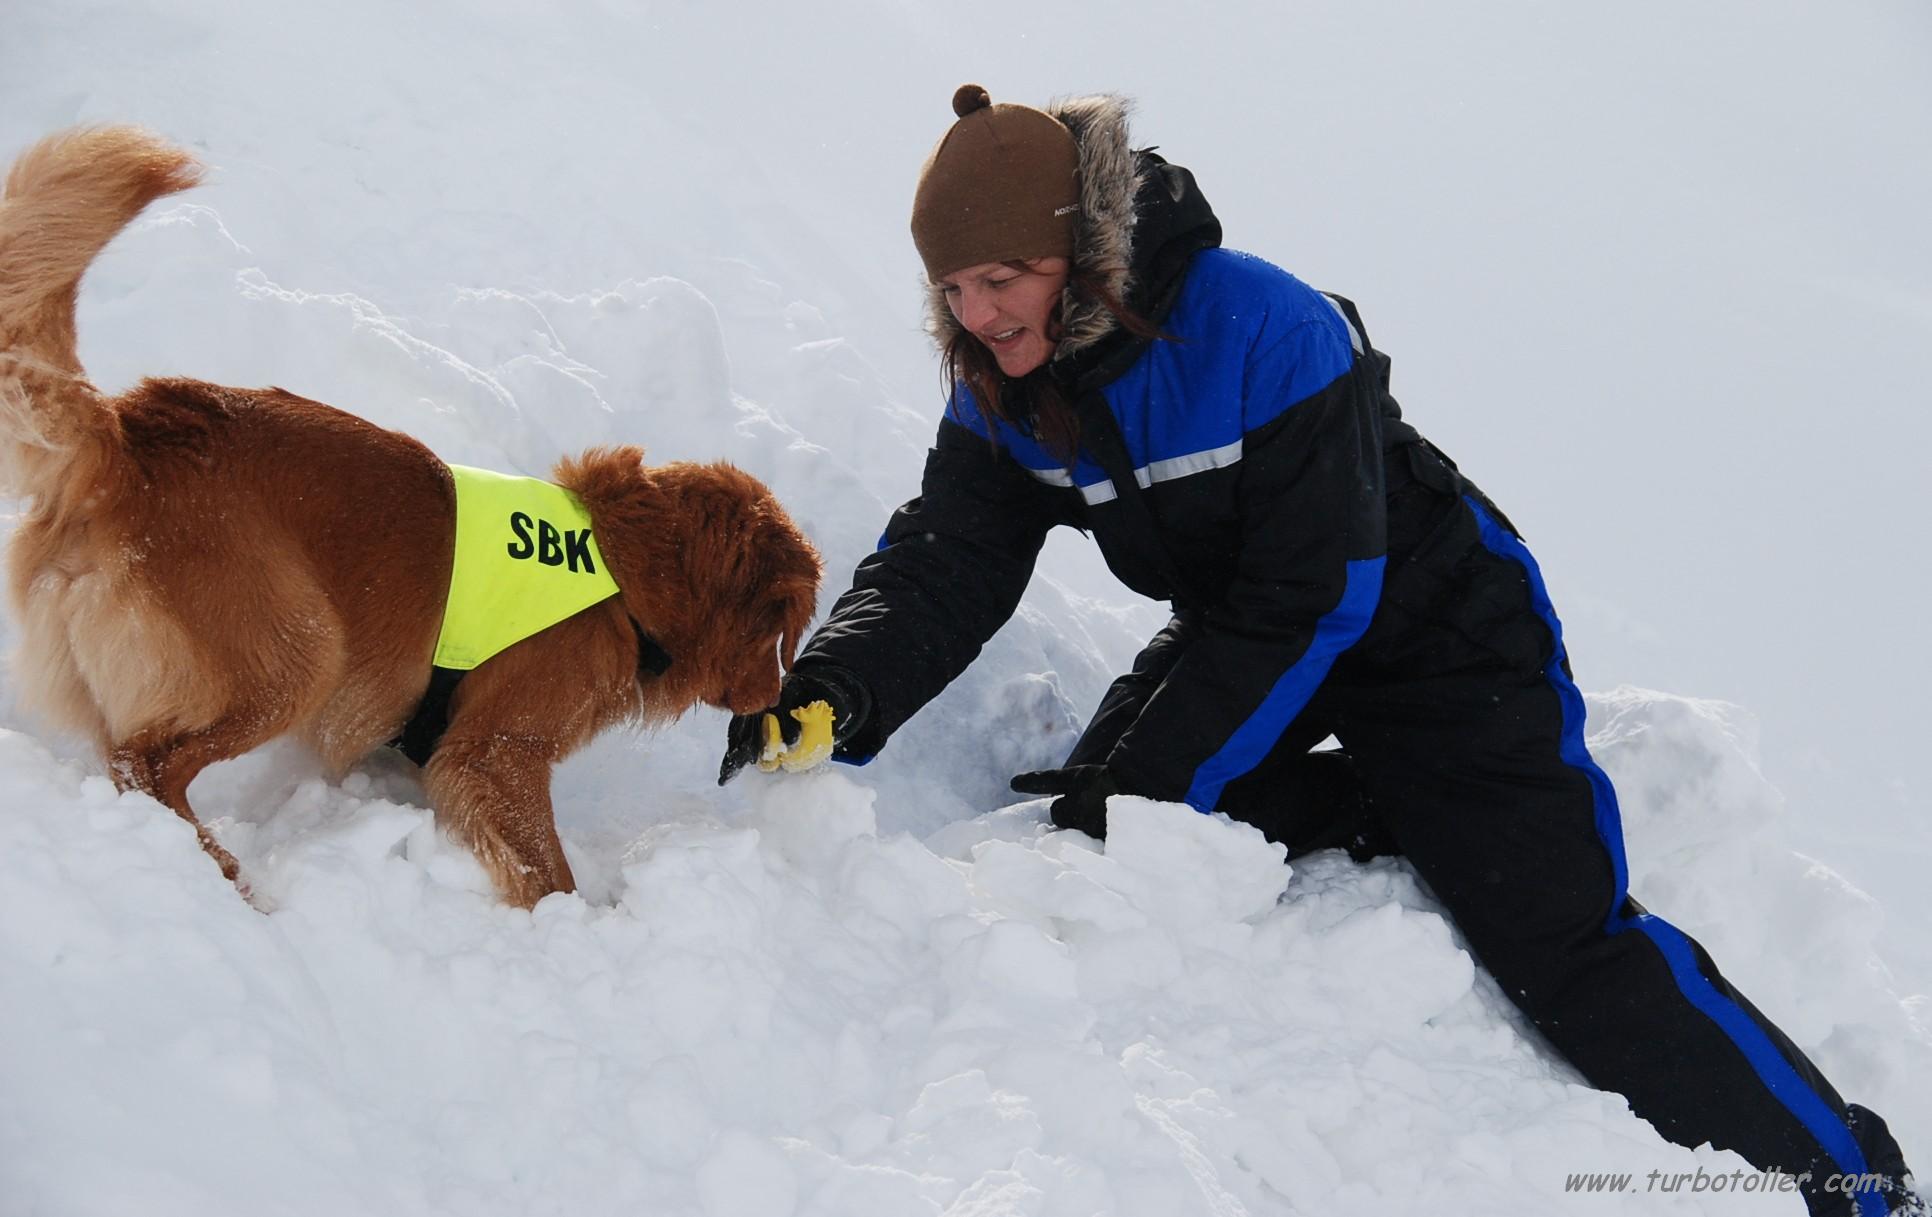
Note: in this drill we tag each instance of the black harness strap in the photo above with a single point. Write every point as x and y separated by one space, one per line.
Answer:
425 727
651 657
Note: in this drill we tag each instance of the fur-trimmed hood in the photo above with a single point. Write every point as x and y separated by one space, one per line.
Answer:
1111 176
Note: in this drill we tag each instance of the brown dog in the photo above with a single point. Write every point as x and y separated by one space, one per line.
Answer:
202 569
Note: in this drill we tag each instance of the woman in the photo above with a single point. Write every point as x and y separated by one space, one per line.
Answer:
1227 435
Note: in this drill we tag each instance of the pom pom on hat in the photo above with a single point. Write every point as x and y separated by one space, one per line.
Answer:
968 98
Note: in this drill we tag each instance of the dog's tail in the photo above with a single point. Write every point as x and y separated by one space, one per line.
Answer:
65 199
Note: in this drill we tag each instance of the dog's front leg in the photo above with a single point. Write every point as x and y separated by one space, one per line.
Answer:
493 794
511 720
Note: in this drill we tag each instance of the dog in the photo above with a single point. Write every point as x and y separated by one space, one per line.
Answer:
200 569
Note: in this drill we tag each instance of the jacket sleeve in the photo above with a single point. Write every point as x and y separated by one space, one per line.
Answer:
949 571
1307 578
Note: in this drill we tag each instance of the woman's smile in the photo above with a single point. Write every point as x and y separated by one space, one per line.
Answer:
1010 307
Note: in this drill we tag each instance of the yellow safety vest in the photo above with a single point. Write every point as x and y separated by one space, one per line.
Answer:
525 560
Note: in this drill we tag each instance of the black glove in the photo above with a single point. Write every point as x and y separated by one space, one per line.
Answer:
1083 791
748 735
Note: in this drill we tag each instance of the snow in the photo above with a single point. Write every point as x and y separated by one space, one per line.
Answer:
514 232
780 1007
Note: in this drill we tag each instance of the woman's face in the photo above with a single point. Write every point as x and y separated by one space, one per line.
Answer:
1010 311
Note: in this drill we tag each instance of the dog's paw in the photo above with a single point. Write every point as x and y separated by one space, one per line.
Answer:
257 899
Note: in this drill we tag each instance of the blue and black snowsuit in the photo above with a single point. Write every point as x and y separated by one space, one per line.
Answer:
1331 572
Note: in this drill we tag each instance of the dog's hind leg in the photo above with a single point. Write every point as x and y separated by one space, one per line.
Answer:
162 764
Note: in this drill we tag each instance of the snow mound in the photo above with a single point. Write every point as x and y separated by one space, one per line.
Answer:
782 1010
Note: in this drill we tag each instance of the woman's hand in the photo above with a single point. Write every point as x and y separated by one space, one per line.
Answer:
796 734
1082 791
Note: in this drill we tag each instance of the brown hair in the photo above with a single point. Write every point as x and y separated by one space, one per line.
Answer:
1035 398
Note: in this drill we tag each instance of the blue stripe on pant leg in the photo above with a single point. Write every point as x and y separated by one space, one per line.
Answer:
1772 1069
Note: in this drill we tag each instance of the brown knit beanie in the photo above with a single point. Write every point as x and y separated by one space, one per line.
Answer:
1003 184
